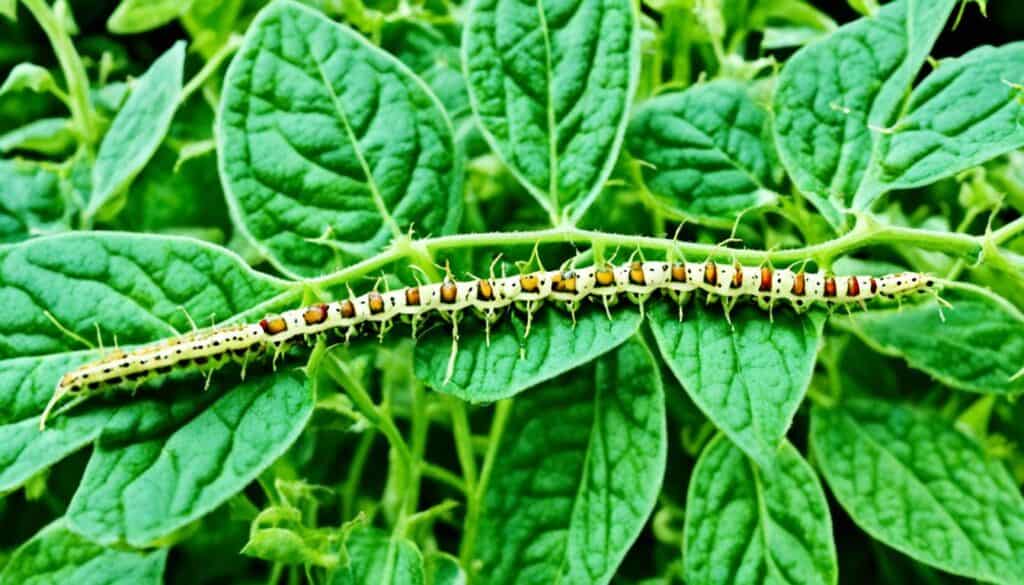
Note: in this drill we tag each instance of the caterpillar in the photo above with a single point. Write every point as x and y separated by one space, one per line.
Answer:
211 348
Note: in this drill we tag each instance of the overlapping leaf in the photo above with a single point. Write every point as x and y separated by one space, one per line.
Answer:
329 147
57 555
834 97
912 481
983 331
752 525
551 85
748 376
706 153
581 462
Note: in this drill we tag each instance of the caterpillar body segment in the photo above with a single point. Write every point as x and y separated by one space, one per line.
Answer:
489 298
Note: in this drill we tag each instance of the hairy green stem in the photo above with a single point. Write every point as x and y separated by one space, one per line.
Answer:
72 67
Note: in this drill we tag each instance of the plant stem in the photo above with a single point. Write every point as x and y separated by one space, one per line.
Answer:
463 441
71 65
475 500
234 41
338 370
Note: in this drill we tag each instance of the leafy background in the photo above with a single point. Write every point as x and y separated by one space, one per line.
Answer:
214 161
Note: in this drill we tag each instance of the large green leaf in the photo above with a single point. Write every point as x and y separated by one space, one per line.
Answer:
750 525
707 153
139 127
963 114
146 479
133 287
551 85
578 472
58 556
513 361
836 96
748 376
376 557
324 136
32 201
979 346
912 481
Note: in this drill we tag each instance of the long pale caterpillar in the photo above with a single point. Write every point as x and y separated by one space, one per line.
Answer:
212 348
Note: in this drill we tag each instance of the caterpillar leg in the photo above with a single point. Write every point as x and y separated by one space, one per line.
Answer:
450 369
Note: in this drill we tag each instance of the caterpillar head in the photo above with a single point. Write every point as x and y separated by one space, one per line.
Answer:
903 283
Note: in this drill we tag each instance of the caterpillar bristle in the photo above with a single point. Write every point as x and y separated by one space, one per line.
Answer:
374 312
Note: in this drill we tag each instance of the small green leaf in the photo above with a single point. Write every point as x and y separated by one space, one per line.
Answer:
138 129
324 137
278 535
57 556
28 76
9 8
140 486
983 331
966 112
49 136
552 85
514 361
375 557
578 472
749 376
748 525
444 569
706 153
832 93
32 201
135 16
913 482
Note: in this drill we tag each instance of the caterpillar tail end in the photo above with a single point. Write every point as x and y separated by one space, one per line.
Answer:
58 394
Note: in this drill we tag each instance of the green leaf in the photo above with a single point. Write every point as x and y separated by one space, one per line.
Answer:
376 557
552 85
49 136
751 525
983 331
963 114
913 482
9 8
140 486
139 128
135 16
578 472
32 201
279 535
325 137
513 361
57 556
444 569
707 153
831 95
28 76
749 376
